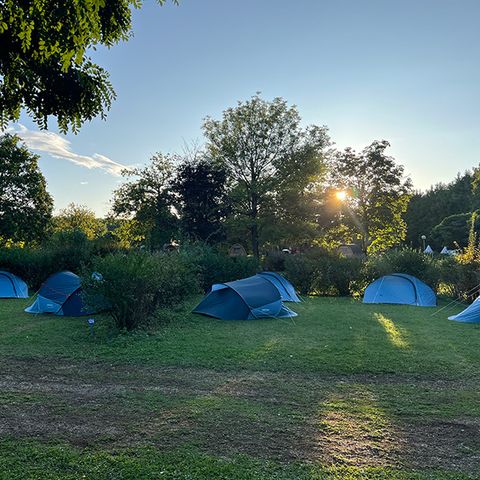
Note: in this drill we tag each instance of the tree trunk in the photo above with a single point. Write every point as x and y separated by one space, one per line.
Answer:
254 227
254 233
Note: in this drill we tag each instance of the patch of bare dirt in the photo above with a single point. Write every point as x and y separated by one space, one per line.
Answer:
286 416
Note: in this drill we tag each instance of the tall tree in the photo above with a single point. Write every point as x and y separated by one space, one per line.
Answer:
25 205
147 199
44 64
81 218
202 200
429 209
259 143
378 194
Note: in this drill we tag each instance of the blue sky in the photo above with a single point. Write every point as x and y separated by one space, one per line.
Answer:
403 71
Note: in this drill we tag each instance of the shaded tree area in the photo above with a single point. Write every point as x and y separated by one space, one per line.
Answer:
374 197
202 199
145 202
443 212
262 179
271 163
25 204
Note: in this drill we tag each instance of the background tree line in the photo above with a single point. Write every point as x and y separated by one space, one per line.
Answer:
444 212
260 179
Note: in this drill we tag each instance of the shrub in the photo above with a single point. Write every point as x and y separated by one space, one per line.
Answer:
454 276
212 266
64 250
275 261
323 272
33 266
463 278
301 271
345 274
406 260
68 250
135 286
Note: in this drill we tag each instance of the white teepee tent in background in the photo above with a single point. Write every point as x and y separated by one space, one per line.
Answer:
445 251
428 250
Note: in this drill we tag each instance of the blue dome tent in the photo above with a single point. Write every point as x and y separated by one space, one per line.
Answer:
470 315
284 287
246 299
402 289
12 286
60 294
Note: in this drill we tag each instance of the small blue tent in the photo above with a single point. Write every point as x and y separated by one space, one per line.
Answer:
60 294
12 286
402 289
285 288
246 299
470 315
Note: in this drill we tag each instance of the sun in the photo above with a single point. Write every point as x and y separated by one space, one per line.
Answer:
341 195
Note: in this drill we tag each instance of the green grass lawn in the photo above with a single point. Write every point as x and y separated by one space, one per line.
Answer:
343 391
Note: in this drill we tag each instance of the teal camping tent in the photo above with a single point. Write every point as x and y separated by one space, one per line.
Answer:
246 299
12 286
284 287
470 315
60 294
402 289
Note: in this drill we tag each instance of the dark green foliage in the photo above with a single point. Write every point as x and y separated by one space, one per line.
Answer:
69 250
148 200
453 231
33 266
448 275
322 272
429 209
135 286
272 163
462 279
212 266
301 270
63 251
275 261
44 65
202 199
377 195
406 260
25 204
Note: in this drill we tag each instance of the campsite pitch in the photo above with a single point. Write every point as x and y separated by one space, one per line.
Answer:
343 391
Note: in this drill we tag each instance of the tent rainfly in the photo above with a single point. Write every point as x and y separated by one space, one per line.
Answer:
402 289
247 299
12 286
470 315
60 294
285 288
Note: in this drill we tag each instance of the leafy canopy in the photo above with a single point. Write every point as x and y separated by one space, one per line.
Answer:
44 58
202 203
378 194
267 155
146 200
25 205
79 218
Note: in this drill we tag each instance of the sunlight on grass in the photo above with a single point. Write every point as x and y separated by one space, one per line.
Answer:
266 349
353 425
394 334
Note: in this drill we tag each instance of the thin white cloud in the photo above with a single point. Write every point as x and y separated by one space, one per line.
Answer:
83 183
59 147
